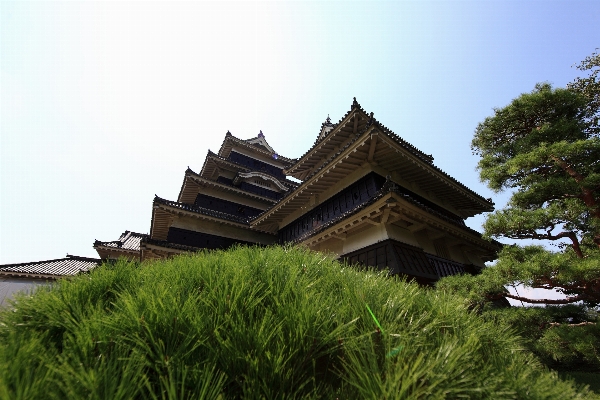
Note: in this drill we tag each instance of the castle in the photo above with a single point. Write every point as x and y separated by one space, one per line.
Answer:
360 192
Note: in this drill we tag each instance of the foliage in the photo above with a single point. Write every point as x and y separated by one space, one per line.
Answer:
565 337
258 323
589 86
531 266
545 146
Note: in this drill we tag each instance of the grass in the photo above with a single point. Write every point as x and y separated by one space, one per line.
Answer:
275 323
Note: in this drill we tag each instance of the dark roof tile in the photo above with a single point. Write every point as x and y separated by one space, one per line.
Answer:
71 265
127 241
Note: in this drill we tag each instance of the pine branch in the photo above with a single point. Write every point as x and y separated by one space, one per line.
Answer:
568 300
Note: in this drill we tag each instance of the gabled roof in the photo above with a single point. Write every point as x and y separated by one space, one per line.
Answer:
326 127
128 241
52 269
335 136
257 145
261 143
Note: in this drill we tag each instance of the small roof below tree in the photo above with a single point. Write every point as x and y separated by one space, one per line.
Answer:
51 269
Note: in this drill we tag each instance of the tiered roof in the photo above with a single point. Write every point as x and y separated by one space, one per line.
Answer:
358 141
194 181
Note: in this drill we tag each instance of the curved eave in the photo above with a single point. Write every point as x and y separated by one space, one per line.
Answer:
164 213
354 122
193 182
266 177
32 275
153 244
213 162
430 179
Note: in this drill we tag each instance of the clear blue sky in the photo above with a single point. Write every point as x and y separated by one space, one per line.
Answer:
105 104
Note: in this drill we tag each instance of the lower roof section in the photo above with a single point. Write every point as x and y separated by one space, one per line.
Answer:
127 246
406 260
51 269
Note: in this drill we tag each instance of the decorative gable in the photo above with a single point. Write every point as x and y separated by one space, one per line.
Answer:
260 141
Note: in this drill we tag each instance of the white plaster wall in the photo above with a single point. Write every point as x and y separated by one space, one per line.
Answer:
335 246
10 286
365 238
402 235
379 233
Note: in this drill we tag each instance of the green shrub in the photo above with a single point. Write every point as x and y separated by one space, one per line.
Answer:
563 337
274 323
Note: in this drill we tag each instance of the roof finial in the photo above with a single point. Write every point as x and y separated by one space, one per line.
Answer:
355 103
328 120
371 119
261 134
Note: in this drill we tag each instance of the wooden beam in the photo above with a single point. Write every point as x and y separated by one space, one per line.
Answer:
335 235
386 215
435 235
417 227
374 137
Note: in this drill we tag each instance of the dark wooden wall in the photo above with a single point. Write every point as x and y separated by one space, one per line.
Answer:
347 199
225 206
251 188
255 164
